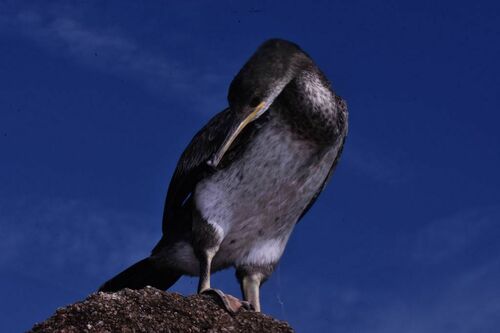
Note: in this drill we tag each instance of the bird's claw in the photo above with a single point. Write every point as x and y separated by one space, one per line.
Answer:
247 306
230 303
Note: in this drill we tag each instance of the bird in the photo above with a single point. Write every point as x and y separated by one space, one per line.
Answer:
248 177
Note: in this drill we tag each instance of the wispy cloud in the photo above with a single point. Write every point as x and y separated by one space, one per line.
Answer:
459 297
467 303
55 236
374 164
110 51
458 260
450 236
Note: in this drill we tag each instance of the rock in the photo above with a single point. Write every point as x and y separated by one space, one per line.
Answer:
153 310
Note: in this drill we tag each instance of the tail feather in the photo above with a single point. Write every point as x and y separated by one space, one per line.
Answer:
141 274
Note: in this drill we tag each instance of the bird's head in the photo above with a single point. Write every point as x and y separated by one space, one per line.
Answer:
258 83
265 75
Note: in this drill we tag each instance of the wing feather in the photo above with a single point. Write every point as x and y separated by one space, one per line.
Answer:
343 125
192 167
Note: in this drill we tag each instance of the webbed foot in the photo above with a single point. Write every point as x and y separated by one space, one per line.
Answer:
229 302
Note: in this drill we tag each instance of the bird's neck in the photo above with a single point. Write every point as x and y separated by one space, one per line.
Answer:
309 104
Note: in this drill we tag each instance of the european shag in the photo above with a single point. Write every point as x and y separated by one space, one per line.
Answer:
248 176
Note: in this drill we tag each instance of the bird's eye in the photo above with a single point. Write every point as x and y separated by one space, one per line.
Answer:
254 101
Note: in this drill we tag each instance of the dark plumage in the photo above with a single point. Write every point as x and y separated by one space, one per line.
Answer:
249 175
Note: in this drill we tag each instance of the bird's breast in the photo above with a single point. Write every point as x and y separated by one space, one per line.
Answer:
259 196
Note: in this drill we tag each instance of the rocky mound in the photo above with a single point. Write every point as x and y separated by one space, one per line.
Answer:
153 310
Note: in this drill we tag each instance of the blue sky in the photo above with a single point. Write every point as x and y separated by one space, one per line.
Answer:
97 101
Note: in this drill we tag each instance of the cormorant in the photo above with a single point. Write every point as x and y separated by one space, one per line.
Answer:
248 176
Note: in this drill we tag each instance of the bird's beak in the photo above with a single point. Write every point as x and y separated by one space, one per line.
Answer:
246 118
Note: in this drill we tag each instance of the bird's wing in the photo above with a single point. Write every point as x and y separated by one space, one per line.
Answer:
192 167
322 187
342 123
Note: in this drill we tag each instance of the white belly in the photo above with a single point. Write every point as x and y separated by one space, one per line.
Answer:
255 202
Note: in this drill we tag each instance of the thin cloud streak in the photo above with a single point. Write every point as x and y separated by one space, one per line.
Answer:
467 303
72 236
451 236
111 52
375 166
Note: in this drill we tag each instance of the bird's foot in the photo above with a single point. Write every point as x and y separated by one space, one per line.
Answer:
230 303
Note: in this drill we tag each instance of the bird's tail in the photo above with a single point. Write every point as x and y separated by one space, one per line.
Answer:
141 274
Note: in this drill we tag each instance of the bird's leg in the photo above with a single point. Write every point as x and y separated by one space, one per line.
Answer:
205 259
232 304
250 285
206 242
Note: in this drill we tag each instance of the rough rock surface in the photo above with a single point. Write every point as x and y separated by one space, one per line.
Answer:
153 310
